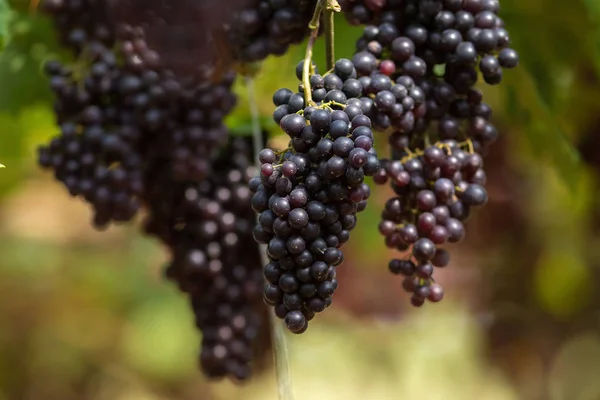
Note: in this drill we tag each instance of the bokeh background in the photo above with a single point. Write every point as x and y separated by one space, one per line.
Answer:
86 315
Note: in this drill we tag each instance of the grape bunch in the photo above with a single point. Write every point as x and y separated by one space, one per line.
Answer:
182 117
460 34
79 22
434 192
391 99
123 114
96 153
418 63
411 44
208 227
135 134
308 195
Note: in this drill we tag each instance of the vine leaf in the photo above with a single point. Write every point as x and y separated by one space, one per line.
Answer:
542 89
544 131
5 15
593 13
240 124
5 19
33 41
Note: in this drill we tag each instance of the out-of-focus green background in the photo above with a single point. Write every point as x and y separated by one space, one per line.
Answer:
86 315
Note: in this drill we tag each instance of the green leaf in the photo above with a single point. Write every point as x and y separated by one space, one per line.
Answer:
20 133
157 340
593 14
11 151
593 8
5 18
545 133
547 52
240 124
345 38
32 43
562 291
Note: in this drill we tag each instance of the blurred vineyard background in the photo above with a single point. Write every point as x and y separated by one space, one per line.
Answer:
86 315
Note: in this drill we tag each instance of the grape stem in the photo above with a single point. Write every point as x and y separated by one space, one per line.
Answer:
328 7
307 64
329 39
257 140
281 356
280 349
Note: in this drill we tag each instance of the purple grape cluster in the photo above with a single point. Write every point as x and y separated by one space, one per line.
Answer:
207 226
96 152
418 63
434 192
407 46
462 35
134 134
79 22
308 195
124 114
390 102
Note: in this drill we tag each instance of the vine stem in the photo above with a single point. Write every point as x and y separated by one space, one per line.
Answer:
328 7
307 64
280 347
257 140
329 39
281 356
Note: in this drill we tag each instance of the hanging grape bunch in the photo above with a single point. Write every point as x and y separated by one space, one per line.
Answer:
436 169
125 113
139 133
135 134
308 195
207 225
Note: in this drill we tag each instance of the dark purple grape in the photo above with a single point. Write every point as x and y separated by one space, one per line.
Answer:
423 249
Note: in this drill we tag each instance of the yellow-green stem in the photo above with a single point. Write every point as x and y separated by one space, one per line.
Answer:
329 39
329 7
306 67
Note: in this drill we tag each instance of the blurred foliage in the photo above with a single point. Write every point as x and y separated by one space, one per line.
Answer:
87 315
5 16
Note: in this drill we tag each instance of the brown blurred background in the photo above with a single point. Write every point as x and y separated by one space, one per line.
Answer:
86 315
